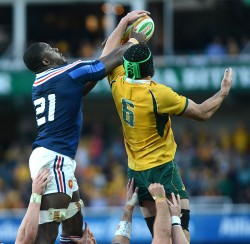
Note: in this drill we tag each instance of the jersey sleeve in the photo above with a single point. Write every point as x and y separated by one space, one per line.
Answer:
170 102
118 71
86 71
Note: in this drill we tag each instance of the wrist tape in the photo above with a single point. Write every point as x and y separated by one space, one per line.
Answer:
176 221
159 198
124 229
133 200
35 198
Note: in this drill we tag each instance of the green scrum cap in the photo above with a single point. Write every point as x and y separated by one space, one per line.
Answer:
134 67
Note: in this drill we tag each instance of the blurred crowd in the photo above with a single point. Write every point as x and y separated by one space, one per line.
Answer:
218 48
211 164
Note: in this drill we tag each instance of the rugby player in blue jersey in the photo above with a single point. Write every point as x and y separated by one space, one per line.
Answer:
57 98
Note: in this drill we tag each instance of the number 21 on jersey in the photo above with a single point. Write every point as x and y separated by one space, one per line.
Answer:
40 106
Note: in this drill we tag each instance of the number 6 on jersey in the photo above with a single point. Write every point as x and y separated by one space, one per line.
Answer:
128 114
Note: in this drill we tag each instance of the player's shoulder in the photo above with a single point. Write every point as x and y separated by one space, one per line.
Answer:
117 72
77 64
86 62
162 91
54 73
160 86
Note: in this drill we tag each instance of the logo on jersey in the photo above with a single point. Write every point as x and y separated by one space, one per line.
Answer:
70 184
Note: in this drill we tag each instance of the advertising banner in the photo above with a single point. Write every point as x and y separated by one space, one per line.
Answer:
204 228
180 78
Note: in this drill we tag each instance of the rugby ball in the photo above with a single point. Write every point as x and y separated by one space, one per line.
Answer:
144 25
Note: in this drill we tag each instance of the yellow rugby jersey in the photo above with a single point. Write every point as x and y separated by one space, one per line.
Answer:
144 109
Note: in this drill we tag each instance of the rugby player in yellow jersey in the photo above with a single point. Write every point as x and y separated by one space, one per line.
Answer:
144 107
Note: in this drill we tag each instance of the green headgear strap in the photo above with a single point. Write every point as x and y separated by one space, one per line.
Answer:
134 67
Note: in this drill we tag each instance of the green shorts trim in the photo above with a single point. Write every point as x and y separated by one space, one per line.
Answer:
166 174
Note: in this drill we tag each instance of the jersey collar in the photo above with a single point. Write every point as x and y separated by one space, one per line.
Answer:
132 81
38 75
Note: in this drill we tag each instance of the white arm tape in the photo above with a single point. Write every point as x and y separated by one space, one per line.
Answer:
176 220
35 198
58 215
133 200
73 208
124 229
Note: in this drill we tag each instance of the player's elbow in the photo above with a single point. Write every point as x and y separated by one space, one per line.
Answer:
204 116
201 113
196 114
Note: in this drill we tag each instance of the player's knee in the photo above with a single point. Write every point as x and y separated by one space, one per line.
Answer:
185 217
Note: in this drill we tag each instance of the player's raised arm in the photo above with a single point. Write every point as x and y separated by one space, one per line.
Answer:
178 236
113 51
29 226
115 38
114 59
124 228
206 109
162 229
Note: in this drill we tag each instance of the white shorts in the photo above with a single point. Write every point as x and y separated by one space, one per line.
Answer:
62 170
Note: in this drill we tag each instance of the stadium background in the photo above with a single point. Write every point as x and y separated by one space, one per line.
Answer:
194 41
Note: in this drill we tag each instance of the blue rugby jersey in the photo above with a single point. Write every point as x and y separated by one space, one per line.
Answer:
57 99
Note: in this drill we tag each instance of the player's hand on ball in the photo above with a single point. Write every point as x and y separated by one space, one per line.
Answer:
134 15
144 25
227 81
141 38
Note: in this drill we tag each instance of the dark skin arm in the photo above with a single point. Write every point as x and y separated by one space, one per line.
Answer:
110 61
114 59
88 87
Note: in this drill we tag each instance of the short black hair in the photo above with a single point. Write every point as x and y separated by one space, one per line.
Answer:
137 54
34 55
